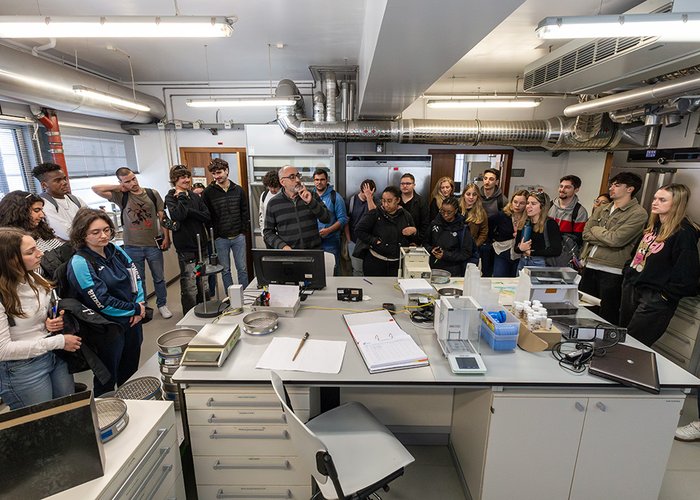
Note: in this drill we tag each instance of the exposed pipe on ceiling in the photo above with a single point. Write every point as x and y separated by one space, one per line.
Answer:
48 118
36 81
555 134
637 97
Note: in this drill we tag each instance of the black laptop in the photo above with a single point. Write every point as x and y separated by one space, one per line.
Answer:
628 366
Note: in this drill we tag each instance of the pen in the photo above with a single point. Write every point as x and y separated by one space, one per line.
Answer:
301 344
368 281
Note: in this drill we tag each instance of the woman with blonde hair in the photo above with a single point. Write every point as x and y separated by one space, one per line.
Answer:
664 267
544 239
30 329
474 214
507 224
444 188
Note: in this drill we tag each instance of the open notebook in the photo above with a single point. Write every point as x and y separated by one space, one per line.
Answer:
382 343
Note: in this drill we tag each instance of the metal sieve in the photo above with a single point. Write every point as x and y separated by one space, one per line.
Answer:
111 417
440 277
140 388
260 323
175 341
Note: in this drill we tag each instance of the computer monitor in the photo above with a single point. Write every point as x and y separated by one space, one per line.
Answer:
305 268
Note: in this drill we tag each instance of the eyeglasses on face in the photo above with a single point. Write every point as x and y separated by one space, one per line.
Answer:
96 232
291 177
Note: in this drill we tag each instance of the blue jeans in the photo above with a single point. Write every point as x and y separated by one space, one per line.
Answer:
356 263
154 256
504 266
236 245
533 261
27 382
332 245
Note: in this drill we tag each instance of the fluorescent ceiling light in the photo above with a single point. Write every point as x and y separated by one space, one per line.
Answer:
484 103
114 27
241 103
675 26
112 99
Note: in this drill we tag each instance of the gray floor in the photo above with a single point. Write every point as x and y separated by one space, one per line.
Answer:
433 475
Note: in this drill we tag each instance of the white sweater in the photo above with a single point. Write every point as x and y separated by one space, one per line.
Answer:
29 337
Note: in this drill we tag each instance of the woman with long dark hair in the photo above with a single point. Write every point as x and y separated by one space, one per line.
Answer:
449 240
664 268
384 231
30 372
106 280
26 211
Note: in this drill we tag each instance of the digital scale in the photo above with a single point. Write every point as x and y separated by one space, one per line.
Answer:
457 325
211 346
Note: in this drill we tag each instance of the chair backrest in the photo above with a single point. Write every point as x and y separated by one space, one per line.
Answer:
304 441
329 263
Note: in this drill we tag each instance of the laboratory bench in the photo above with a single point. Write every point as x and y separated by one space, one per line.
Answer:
524 429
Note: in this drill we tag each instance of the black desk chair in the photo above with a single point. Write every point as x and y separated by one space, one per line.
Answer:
350 454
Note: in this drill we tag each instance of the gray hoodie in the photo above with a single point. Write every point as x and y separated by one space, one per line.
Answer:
494 203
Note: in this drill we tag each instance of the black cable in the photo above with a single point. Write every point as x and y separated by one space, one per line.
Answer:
577 359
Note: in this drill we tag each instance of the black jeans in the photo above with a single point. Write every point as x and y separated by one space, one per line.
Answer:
645 313
487 256
608 288
372 266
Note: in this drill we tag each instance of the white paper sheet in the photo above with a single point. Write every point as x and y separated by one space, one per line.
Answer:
283 295
317 356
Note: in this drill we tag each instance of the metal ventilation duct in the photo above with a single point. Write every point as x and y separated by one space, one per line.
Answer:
36 81
555 134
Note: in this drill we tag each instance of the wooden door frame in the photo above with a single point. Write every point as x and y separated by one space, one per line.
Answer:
504 183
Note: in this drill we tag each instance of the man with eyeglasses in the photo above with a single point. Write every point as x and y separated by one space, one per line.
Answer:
610 236
415 205
145 239
292 216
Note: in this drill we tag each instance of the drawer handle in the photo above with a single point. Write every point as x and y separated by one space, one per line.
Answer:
223 494
279 466
671 355
282 435
601 406
159 438
690 321
163 453
163 474
246 401
281 419
679 337
579 406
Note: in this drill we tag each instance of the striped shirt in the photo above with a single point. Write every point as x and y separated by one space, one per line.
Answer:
292 222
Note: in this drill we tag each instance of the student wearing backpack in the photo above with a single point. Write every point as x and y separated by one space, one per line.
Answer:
145 237
544 239
571 217
449 240
359 204
106 279
61 204
330 231
30 372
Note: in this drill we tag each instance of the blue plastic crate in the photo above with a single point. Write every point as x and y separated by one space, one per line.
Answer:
498 342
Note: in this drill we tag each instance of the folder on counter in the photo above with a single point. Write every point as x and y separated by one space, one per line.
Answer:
384 346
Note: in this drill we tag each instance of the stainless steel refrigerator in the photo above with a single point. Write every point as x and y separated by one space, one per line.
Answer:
386 170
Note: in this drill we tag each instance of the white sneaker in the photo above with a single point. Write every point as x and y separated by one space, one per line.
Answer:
165 312
689 433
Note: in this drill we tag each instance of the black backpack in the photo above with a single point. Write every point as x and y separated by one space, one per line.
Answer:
570 245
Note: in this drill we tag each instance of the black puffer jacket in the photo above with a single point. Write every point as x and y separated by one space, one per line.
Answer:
382 231
228 210
193 215
456 242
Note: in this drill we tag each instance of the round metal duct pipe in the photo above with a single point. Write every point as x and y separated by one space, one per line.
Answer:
36 81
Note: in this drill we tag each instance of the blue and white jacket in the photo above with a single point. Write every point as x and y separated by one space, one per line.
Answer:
106 286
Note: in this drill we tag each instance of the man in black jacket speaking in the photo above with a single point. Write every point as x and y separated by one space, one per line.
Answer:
290 220
230 217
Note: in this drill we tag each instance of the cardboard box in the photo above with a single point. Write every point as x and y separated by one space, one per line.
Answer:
50 447
539 339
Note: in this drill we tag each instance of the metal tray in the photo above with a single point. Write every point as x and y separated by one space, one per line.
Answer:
175 341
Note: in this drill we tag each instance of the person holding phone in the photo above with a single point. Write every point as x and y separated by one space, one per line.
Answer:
449 242
30 330
539 237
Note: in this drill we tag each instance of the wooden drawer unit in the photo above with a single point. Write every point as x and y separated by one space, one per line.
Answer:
251 492
241 445
279 471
